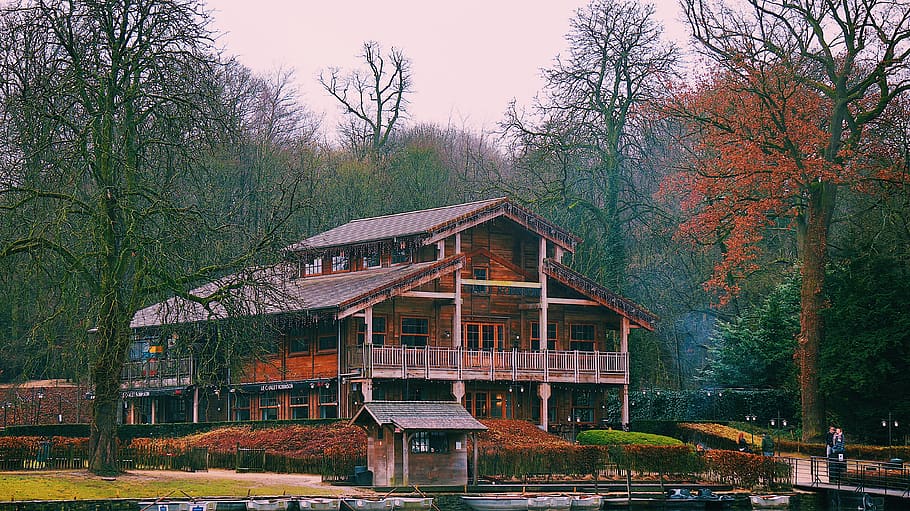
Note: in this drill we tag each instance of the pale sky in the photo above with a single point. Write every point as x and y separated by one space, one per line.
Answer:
469 58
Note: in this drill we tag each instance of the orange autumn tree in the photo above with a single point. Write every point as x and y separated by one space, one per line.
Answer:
812 77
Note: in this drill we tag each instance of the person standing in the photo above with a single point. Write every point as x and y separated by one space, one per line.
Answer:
767 445
741 443
829 441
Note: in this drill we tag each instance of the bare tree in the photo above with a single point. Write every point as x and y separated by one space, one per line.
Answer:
576 144
112 108
374 100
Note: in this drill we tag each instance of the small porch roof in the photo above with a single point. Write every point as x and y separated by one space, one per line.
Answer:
418 415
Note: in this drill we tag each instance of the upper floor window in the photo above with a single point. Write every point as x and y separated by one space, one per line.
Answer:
372 260
481 273
299 344
327 343
415 331
401 254
379 331
312 266
535 335
582 337
484 336
340 262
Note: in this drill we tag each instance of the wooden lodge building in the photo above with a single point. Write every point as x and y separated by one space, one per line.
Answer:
436 305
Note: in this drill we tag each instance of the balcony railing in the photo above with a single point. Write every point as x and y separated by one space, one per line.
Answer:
437 363
154 373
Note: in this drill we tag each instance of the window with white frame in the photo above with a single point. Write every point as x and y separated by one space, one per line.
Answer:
312 266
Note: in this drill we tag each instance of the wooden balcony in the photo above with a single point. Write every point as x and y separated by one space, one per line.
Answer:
436 363
157 373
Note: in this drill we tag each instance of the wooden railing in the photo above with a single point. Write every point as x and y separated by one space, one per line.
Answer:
155 373
440 363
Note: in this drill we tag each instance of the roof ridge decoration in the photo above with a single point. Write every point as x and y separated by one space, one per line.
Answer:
600 294
424 227
404 284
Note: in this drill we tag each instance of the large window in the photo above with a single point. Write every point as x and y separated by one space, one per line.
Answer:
484 336
241 407
495 405
535 335
582 338
415 332
378 331
312 266
300 404
582 407
268 406
328 403
429 442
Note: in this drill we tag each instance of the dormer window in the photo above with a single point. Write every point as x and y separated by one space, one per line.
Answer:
312 266
340 263
372 260
401 254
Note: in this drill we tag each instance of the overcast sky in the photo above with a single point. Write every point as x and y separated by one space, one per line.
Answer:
469 57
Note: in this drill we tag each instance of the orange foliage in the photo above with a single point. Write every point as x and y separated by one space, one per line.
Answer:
761 142
516 433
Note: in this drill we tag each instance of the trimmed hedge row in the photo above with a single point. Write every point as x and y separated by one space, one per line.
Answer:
127 432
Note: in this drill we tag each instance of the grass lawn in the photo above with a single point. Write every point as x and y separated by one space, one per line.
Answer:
70 485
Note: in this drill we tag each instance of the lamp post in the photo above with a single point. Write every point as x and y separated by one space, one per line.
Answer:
751 418
888 423
40 396
778 423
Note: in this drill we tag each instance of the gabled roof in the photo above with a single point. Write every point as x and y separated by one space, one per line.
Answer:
431 225
418 415
272 291
621 305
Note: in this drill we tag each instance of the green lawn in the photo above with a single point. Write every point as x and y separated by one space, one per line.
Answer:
68 485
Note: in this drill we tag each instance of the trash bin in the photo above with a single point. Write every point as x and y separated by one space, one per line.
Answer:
362 476
837 467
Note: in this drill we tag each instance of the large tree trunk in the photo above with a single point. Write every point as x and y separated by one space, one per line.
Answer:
813 249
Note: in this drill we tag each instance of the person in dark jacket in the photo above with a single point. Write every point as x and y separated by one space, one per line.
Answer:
829 441
767 445
742 444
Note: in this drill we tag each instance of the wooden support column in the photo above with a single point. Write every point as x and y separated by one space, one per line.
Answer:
458 390
196 405
456 318
544 392
404 458
542 325
366 388
368 323
441 250
624 349
624 394
154 409
474 456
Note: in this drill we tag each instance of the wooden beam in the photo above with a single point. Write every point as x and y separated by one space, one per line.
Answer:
429 294
500 283
572 301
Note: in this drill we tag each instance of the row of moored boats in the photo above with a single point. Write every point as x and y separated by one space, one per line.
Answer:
392 503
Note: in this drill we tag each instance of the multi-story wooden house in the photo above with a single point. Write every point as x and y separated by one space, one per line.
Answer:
441 304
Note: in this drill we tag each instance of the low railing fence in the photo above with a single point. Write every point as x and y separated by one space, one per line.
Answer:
860 474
